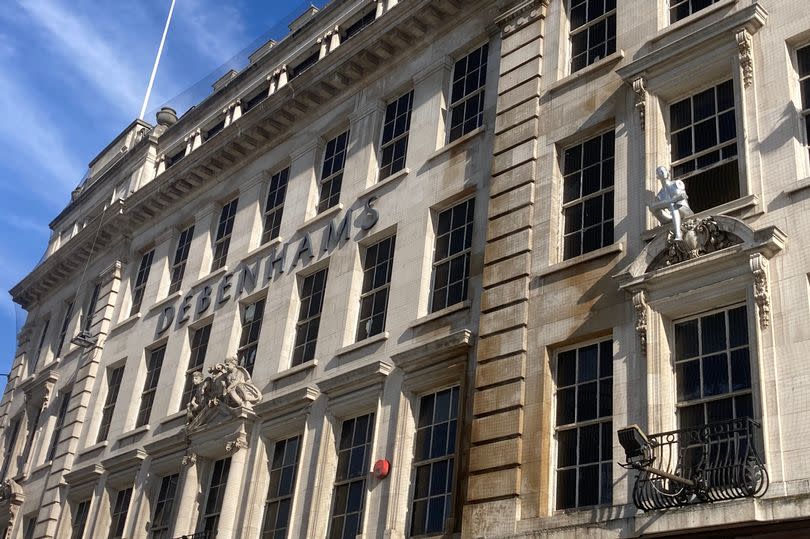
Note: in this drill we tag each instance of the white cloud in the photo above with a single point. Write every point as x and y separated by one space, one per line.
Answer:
80 44
216 30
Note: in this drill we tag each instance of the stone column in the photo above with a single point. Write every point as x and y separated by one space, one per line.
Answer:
188 499
228 527
495 483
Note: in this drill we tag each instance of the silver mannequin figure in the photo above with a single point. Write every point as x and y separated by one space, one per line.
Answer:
672 203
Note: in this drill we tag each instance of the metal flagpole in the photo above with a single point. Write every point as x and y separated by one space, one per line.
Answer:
157 61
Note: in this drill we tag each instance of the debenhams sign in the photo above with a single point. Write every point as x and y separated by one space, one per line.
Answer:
284 257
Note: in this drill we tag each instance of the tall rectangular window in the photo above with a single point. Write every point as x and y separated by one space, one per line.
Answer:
11 432
593 31
451 257
309 317
60 422
803 56
680 9
29 439
199 345
703 139
153 367
334 159
118 514
79 519
113 386
30 527
222 241
348 496
251 328
280 492
713 367
588 195
40 346
434 461
64 329
467 93
139 285
378 263
90 312
160 527
216 493
584 426
394 146
357 26
274 207
180 259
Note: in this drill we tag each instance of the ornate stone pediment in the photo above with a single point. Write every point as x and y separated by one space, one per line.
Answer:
227 392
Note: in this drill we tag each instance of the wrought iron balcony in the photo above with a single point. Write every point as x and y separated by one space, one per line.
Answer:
707 463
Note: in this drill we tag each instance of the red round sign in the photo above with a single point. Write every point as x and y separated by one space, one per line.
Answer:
382 468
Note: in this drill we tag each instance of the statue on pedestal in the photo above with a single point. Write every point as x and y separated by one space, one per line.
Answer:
228 384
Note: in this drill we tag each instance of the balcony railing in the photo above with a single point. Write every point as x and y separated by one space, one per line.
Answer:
198 535
707 463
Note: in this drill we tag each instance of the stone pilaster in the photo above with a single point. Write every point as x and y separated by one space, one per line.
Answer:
53 500
493 507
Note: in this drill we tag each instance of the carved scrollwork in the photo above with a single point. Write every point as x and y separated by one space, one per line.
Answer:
641 100
699 237
234 446
521 15
189 460
746 52
762 292
640 306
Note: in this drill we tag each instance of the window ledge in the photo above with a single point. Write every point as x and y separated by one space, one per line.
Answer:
750 201
132 433
441 313
171 298
584 73
307 365
582 259
44 466
93 448
379 337
393 178
798 187
686 21
172 417
462 140
210 277
123 324
334 210
263 248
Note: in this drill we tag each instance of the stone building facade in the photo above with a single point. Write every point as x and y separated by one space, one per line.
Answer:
399 277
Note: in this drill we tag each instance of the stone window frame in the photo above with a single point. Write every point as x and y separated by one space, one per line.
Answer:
356 18
194 330
266 238
267 470
579 139
431 238
414 402
382 145
599 420
64 328
74 515
108 403
138 285
301 276
569 32
803 113
179 258
89 314
203 515
245 347
154 357
678 68
11 441
157 490
669 7
448 90
372 293
321 203
37 355
221 261
60 413
117 510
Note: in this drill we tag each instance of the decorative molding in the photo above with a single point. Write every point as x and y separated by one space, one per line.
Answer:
189 460
745 48
520 15
762 292
235 445
700 237
640 305
641 100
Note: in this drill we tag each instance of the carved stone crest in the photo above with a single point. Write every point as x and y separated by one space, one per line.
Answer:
228 387
745 49
762 293
699 237
640 306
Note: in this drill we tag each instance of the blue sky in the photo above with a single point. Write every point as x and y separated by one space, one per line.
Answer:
74 73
